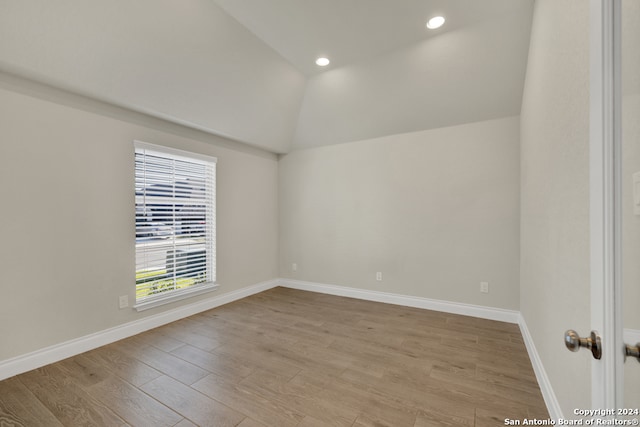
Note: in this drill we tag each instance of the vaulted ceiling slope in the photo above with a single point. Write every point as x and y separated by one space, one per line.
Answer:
470 74
184 60
244 68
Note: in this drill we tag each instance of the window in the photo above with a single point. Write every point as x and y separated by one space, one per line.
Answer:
175 224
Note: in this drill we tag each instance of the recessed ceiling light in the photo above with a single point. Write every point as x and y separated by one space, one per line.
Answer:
435 22
323 62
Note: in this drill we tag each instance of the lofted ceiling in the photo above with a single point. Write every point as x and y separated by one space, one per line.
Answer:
352 31
245 69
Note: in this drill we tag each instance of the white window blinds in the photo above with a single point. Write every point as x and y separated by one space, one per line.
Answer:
175 195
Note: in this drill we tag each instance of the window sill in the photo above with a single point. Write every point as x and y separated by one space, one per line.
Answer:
181 294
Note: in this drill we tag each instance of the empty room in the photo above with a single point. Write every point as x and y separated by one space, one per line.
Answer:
319 213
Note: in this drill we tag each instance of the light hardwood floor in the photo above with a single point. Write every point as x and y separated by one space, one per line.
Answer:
290 358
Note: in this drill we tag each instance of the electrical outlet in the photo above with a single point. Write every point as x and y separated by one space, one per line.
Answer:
484 287
124 301
294 267
379 276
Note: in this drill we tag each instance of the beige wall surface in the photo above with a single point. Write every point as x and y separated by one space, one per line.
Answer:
68 228
630 160
554 261
630 165
436 212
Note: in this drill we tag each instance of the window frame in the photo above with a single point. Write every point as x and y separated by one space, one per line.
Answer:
167 297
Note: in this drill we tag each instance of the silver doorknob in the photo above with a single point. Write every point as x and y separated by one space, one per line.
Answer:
574 343
632 351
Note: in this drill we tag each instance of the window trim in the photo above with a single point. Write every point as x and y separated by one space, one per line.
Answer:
178 295
198 289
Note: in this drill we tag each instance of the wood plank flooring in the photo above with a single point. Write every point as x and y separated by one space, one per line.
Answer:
290 358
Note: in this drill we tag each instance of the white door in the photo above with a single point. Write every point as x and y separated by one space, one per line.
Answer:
615 203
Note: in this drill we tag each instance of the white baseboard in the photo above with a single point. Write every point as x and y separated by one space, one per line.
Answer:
510 316
550 399
491 313
55 353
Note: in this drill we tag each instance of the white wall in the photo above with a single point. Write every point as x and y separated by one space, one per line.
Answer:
436 212
554 258
68 228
